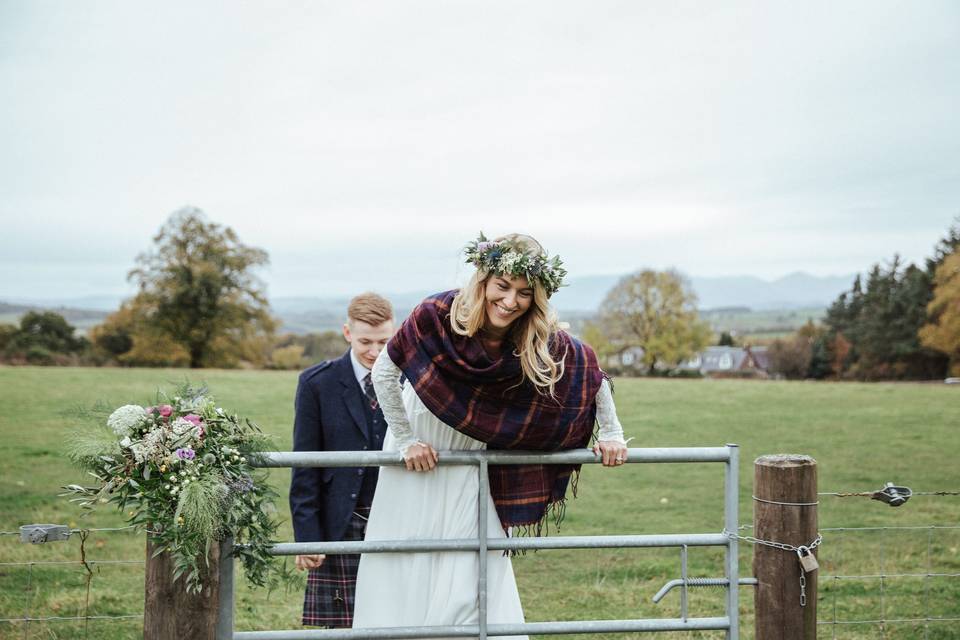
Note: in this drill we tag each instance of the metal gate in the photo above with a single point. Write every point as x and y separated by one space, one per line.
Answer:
729 455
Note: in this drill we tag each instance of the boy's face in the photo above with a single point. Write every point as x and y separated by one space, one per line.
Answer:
366 341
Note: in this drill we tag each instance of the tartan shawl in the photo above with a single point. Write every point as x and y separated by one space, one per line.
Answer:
490 400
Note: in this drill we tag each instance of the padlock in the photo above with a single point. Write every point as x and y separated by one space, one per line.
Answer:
807 560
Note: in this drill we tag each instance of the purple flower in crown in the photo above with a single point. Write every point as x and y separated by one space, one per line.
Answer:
185 453
194 418
485 245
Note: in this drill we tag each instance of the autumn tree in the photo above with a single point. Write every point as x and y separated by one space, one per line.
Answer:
593 334
655 310
197 295
943 330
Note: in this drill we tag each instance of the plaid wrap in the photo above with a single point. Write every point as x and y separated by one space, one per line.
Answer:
328 601
489 400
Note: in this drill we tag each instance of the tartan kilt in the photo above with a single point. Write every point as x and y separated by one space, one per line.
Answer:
328 601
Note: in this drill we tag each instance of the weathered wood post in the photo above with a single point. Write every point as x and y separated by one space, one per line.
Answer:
169 611
784 511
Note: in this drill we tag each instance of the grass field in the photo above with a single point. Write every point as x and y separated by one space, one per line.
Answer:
861 435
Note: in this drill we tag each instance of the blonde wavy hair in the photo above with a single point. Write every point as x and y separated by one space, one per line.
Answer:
530 332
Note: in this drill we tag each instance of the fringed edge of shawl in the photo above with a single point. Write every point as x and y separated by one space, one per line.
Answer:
556 511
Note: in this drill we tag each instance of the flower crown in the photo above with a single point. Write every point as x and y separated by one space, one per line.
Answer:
503 257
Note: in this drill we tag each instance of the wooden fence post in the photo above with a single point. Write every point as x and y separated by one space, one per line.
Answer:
784 510
169 611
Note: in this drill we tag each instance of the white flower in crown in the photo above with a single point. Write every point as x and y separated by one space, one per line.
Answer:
501 257
510 260
123 420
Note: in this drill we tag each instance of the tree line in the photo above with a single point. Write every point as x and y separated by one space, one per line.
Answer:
200 304
900 322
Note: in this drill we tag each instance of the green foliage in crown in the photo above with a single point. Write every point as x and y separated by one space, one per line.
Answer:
503 257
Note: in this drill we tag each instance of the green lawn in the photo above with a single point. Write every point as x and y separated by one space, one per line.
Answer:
861 435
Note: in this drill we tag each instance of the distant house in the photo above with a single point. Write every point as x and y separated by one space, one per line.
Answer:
720 360
630 358
711 361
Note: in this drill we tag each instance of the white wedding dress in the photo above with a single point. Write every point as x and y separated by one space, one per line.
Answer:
435 589
431 589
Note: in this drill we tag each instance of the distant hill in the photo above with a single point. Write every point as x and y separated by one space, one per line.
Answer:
793 291
725 300
82 319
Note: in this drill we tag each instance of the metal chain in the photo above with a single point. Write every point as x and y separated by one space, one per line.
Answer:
783 546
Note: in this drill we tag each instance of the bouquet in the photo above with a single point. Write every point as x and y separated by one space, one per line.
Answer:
181 469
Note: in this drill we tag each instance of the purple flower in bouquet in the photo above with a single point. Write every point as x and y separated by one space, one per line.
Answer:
165 410
194 418
150 410
185 453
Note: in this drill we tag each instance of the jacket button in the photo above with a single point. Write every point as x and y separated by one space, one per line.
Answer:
353 495
359 472
365 446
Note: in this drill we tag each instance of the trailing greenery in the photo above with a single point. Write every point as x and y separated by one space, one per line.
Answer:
181 470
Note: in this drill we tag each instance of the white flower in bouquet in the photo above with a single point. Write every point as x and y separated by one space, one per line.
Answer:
181 426
123 420
151 448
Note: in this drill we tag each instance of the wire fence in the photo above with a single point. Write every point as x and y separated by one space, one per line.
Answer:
21 625
884 577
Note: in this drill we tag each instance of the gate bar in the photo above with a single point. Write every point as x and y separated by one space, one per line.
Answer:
472 631
502 544
384 458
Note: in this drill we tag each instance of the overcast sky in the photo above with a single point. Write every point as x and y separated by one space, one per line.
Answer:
362 144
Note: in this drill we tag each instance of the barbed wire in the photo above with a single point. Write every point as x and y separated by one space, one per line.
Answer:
870 494
49 562
132 528
63 618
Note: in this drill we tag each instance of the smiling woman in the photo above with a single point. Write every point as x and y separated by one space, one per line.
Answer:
483 365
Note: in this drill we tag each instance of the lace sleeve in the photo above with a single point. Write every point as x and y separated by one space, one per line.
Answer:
386 382
610 428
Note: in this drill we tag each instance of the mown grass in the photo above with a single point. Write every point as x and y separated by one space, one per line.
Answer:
861 435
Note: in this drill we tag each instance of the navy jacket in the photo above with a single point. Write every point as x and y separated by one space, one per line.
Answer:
332 414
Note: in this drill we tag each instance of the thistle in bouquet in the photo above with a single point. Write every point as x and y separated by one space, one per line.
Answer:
181 469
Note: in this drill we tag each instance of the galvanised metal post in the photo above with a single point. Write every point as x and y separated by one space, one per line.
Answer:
731 508
482 546
224 630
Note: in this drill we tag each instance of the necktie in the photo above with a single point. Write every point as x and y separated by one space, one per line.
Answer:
369 391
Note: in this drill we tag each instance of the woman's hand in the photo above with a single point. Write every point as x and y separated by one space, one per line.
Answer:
614 453
420 457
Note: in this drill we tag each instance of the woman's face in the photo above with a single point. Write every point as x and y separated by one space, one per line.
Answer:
506 299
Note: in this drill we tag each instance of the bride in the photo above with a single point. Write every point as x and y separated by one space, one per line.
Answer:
486 366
